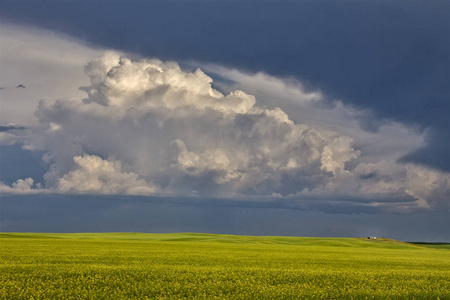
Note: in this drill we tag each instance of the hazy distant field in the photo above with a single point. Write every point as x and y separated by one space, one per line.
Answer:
205 266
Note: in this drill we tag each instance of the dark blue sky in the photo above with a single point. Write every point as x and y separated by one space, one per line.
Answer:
390 56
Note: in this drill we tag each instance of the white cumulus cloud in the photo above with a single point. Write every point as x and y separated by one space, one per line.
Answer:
21 186
148 127
94 175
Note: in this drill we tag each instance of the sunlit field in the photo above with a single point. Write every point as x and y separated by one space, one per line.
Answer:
207 266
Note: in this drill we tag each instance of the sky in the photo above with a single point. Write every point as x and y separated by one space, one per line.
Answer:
303 118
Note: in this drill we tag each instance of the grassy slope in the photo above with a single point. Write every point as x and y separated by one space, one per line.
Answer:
208 266
434 245
224 238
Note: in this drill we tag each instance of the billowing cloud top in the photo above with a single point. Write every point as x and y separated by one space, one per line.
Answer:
150 128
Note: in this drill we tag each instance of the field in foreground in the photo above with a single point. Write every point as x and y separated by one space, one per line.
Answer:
207 266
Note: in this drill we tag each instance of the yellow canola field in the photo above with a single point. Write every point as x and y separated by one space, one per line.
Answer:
207 266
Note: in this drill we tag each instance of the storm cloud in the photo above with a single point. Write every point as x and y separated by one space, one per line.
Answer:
391 57
148 127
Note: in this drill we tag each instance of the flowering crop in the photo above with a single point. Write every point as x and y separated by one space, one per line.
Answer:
204 266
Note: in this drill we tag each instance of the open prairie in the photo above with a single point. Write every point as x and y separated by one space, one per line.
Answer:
208 266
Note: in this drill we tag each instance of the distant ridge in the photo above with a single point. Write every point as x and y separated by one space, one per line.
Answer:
188 237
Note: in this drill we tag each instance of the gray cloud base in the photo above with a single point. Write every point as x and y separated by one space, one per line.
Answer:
80 213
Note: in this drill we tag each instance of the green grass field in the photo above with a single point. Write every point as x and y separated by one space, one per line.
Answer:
208 266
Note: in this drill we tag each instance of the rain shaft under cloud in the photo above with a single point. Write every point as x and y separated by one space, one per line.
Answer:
148 127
